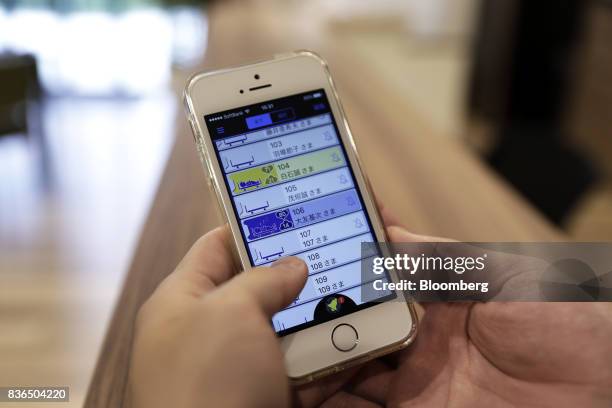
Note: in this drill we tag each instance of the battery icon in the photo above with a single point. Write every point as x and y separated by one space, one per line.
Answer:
316 95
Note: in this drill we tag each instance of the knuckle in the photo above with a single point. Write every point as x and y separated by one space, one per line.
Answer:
241 304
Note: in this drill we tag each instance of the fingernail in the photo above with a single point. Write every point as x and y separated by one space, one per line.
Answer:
291 262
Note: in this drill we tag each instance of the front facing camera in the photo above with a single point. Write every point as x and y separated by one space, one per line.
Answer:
256 76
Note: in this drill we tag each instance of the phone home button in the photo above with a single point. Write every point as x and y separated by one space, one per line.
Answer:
344 337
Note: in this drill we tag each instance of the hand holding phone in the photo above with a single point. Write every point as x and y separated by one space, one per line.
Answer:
183 338
185 352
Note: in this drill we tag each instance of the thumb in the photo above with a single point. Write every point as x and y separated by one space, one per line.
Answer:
400 234
272 287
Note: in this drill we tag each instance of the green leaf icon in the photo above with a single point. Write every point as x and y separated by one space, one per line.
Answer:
333 305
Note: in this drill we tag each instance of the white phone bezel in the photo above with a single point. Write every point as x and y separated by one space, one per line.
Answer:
309 353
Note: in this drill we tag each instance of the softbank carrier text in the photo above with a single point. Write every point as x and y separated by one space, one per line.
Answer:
413 264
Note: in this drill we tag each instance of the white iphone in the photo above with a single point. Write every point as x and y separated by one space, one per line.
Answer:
282 162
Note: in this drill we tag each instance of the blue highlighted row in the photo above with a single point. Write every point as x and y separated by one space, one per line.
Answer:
297 216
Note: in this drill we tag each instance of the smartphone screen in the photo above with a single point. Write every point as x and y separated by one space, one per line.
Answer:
294 193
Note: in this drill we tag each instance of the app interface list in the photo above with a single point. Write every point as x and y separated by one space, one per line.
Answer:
294 193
